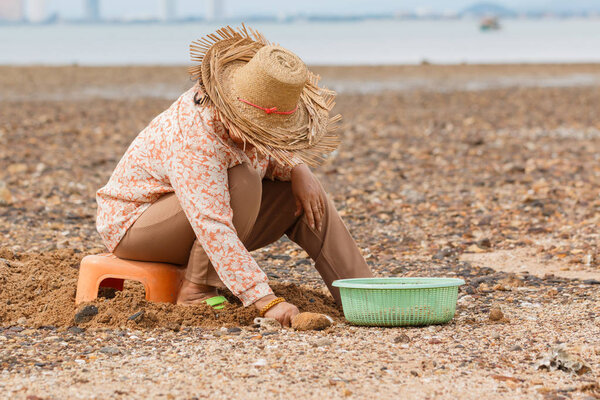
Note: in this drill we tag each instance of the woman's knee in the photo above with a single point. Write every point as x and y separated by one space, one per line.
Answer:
245 190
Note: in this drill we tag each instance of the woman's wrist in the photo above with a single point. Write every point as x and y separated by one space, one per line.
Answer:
263 301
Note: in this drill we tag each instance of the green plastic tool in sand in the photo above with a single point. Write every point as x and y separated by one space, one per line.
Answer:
216 302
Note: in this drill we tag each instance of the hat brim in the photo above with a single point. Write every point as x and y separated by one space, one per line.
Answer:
307 133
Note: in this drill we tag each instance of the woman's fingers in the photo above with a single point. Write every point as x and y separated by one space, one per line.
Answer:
287 320
314 208
323 204
317 214
308 211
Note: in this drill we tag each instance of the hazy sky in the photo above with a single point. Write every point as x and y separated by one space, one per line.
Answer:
141 8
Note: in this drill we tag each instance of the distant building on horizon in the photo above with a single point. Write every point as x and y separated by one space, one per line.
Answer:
11 10
488 10
92 10
167 10
36 10
215 10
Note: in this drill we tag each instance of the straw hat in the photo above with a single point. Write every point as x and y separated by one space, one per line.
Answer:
264 94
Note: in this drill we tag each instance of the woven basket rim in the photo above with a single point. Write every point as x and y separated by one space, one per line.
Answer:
398 283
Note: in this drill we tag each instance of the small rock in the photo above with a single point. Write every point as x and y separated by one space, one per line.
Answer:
234 330
484 287
85 314
496 314
412 196
261 362
468 289
307 321
136 316
268 324
474 249
47 327
559 358
513 168
17 168
591 282
397 270
466 300
446 252
174 326
516 348
323 342
404 338
484 243
75 330
486 220
6 198
22 321
111 351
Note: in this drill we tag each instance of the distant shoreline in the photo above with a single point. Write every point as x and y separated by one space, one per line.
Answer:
368 42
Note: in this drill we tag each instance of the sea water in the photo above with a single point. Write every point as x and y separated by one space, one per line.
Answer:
369 42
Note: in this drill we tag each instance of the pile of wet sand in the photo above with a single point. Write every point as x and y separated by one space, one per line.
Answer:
39 290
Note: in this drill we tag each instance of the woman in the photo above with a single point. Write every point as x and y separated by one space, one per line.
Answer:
191 188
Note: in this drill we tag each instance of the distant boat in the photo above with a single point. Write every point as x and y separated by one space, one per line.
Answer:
489 24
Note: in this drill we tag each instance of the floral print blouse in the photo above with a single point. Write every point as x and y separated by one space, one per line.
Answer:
187 150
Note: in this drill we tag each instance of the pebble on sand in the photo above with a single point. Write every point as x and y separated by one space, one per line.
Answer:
136 316
269 324
496 314
85 314
6 198
111 351
403 338
308 321
322 342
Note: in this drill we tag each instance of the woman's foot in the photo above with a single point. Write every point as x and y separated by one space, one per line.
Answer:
192 293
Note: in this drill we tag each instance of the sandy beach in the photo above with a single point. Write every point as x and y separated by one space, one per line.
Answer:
488 173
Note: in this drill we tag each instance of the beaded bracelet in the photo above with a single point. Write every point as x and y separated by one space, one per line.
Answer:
271 304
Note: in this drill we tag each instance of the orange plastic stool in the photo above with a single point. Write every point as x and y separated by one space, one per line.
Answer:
161 281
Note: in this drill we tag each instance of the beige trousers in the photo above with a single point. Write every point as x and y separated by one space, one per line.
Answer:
263 211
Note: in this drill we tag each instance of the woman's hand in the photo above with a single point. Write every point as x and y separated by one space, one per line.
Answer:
282 312
307 192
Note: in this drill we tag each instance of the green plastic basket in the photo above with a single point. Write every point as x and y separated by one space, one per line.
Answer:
398 301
